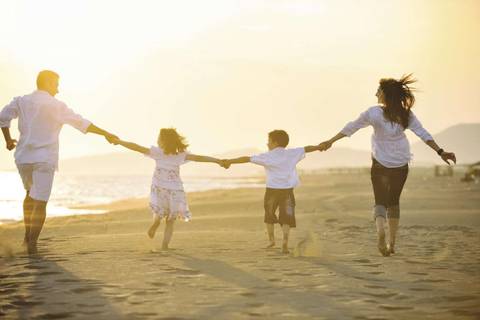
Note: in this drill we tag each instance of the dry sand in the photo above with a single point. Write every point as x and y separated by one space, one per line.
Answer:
105 267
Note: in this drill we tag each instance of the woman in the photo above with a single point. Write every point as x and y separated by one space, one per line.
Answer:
390 151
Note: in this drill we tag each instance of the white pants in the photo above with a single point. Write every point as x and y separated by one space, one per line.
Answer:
37 179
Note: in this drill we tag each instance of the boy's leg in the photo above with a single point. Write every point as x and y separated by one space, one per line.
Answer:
153 228
271 234
36 224
27 216
286 232
167 235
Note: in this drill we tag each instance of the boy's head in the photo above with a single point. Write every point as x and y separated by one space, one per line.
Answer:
277 138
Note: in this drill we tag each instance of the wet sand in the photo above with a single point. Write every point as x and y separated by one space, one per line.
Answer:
105 267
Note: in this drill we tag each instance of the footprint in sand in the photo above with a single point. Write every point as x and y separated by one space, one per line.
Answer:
395 308
59 315
84 289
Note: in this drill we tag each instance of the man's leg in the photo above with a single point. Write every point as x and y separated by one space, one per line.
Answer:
286 233
167 234
27 216
37 220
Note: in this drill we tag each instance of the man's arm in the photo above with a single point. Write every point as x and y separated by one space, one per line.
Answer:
109 136
11 143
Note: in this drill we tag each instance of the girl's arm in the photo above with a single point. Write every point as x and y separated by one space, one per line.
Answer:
132 146
238 160
198 158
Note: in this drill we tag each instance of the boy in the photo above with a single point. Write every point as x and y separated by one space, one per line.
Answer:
280 167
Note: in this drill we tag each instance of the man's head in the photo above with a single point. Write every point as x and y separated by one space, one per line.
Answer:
48 81
277 138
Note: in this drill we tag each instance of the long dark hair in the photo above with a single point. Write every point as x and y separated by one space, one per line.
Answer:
171 142
398 99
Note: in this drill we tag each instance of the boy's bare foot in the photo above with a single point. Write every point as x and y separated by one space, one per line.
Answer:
382 247
285 249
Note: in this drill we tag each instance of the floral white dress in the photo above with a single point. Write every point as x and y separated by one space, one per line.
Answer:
167 197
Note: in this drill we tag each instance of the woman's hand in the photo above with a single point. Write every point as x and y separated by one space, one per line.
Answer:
448 156
324 146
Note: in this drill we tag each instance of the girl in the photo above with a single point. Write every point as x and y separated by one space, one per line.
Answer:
167 197
390 151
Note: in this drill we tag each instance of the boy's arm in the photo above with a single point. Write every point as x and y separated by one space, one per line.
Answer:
132 146
239 160
198 158
312 148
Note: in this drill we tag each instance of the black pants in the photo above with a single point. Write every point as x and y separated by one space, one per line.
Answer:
284 200
387 187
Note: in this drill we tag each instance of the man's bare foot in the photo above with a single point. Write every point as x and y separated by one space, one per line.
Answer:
285 248
271 245
382 247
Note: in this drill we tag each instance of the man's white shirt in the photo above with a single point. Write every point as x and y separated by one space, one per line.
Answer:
40 120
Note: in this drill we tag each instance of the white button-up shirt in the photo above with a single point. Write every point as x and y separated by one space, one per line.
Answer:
280 166
390 145
40 119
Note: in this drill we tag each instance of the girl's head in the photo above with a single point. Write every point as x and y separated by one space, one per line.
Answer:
397 97
171 142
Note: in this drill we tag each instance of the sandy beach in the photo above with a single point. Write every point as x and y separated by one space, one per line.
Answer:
105 267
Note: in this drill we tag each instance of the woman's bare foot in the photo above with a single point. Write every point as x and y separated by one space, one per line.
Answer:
382 246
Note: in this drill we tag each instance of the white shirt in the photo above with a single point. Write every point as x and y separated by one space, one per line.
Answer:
40 119
390 145
167 169
280 166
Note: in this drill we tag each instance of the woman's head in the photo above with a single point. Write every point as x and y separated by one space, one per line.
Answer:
397 97
171 142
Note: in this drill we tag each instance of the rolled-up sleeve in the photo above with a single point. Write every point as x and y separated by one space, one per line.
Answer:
261 159
361 122
68 116
416 126
8 113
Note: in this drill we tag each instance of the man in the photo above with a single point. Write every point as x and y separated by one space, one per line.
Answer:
40 120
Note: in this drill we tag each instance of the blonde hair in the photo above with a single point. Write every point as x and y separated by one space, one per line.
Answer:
171 142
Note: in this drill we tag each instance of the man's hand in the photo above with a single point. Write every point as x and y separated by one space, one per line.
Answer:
449 156
112 139
225 163
324 146
11 144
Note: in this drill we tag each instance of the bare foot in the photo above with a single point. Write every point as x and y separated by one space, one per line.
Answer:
32 248
391 248
285 249
382 247
271 245
164 247
152 230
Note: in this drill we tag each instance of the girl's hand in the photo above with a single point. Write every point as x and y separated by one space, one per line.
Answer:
225 163
448 156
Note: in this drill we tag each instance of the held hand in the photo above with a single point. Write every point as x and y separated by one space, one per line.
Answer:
225 163
11 144
112 139
449 156
324 146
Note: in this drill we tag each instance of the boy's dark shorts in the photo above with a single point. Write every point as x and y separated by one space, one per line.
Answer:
284 200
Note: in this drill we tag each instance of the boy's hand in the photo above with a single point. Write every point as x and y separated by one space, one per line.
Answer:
11 144
112 139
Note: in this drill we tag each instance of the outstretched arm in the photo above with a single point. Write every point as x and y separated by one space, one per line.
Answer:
312 148
239 160
132 146
109 136
198 158
327 144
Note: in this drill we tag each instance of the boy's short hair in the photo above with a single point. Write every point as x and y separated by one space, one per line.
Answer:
44 77
280 137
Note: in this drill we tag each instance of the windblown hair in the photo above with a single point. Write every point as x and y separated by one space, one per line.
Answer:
171 142
398 99
45 77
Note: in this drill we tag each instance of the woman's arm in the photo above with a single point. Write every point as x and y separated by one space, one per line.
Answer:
328 144
443 154
132 146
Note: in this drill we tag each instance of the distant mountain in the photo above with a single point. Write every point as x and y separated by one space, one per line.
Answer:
463 139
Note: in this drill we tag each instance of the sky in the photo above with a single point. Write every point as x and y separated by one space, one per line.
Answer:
225 73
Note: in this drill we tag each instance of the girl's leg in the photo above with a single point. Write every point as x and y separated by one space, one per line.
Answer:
153 228
398 179
167 234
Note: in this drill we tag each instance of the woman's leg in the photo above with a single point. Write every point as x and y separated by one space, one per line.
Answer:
398 179
167 234
153 228
380 184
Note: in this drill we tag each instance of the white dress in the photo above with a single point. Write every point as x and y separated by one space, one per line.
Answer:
167 197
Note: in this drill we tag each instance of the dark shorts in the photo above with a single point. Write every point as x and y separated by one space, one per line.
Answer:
284 200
